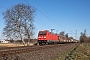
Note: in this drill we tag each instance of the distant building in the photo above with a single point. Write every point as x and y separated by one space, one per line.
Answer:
5 41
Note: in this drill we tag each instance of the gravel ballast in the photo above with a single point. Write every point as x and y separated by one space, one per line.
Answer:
44 54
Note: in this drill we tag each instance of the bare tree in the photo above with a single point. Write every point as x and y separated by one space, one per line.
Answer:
71 37
62 33
83 37
66 35
19 22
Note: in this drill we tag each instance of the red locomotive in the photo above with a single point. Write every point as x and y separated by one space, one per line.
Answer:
47 37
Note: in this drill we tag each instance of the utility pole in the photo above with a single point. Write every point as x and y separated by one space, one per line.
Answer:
76 34
56 31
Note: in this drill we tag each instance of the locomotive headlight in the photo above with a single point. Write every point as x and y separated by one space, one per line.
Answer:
39 37
44 37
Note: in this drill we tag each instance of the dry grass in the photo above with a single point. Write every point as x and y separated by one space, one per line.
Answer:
10 45
14 44
81 53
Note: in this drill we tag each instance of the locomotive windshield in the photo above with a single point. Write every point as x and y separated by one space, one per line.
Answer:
42 33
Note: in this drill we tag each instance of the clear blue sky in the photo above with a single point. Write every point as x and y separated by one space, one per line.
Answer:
62 15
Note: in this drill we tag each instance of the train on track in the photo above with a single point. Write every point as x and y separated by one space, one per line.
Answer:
46 37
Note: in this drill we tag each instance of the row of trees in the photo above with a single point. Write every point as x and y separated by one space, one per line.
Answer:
62 34
19 22
84 37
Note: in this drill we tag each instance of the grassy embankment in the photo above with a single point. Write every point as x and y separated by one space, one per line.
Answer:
82 52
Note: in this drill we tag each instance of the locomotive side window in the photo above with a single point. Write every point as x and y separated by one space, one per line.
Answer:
44 32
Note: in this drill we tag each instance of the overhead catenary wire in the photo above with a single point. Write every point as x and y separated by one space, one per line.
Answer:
3 7
43 14
38 10
50 15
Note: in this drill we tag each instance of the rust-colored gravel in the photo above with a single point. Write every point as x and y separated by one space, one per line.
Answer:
44 54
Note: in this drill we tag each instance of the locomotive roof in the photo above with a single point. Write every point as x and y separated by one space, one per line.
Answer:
44 30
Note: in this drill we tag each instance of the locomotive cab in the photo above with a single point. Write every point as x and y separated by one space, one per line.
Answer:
42 37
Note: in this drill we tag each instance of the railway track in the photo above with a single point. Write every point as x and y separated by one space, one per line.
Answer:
17 50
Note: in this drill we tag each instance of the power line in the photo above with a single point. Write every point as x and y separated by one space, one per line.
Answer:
3 7
49 14
46 12
43 14
39 11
